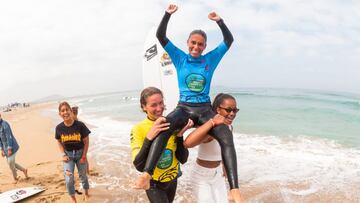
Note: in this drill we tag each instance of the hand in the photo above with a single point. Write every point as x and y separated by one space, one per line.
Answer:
2 153
83 160
9 152
214 16
65 158
224 172
159 126
172 8
219 119
189 124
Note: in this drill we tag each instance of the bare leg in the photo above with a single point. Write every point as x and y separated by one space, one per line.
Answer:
25 171
73 199
86 195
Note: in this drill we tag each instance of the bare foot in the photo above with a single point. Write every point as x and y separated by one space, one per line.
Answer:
16 179
230 197
86 195
26 173
143 182
73 199
235 193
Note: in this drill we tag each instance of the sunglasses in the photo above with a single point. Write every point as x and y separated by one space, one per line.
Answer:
229 110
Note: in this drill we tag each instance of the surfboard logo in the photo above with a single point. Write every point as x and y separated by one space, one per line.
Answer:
195 82
14 197
151 52
21 192
165 59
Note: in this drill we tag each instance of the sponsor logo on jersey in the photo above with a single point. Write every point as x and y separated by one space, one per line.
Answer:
166 159
195 82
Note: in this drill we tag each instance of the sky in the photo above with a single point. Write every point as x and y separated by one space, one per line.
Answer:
71 48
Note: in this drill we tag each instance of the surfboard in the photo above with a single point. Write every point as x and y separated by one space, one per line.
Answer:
159 71
19 194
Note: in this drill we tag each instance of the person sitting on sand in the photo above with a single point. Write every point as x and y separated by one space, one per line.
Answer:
9 147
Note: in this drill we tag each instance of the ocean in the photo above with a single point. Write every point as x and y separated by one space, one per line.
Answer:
292 145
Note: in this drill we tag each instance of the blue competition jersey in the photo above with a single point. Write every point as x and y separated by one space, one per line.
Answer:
195 74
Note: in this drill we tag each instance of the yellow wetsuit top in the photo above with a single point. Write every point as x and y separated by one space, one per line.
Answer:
167 168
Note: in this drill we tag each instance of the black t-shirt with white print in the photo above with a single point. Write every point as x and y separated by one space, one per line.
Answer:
72 136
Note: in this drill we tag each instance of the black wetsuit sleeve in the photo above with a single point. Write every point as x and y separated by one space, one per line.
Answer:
181 153
228 38
140 159
161 31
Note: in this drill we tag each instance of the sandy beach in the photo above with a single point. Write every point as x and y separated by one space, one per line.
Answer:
39 153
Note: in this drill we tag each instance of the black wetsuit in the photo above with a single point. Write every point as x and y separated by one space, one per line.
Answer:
199 112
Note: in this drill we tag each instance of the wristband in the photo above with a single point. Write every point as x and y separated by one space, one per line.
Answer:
212 122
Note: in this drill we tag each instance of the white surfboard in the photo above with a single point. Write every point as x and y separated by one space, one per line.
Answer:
19 194
159 71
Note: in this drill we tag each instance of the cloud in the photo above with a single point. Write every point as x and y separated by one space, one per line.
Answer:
80 47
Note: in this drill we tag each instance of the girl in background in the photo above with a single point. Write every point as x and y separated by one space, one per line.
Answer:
73 141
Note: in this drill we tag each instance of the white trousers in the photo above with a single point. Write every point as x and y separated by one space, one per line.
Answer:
208 184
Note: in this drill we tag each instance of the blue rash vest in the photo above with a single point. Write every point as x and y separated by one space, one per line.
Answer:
195 74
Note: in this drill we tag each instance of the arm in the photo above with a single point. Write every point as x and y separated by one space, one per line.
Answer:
161 31
86 141
197 136
140 148
228 38
1 149
8 134
9 137
141 156
181 152
62 151
2 127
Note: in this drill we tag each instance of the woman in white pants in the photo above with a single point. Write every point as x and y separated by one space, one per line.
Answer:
208 176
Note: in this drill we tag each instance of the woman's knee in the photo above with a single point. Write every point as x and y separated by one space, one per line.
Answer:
177 119
69 177
11 164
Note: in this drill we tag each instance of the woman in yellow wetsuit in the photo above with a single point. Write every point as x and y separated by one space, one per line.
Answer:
164 179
